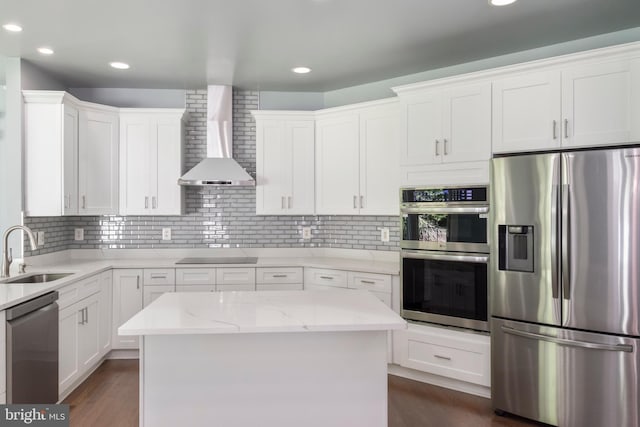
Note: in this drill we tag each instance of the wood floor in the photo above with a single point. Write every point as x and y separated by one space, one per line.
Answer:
109 398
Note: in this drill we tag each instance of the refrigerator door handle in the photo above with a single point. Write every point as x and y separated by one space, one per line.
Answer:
555 222
566 242
566 342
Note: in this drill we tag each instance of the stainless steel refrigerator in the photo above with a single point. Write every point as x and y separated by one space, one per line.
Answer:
565 287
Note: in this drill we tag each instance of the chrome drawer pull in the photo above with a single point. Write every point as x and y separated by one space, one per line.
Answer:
367 282
279 275
326 277
437 356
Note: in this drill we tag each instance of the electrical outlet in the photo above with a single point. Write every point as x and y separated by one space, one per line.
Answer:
166 234
384 234
40 238
306 233
78 234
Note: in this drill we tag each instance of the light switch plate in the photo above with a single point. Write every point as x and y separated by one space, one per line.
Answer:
166 234
78 234
40 238
306 233
384 234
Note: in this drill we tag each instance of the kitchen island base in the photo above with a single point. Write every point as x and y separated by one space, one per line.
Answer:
291 379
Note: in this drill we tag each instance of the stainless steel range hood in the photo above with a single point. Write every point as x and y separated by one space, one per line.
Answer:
219 168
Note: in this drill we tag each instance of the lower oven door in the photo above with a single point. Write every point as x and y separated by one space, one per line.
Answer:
445 288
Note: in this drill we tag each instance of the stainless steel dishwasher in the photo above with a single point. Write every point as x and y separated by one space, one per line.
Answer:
32 351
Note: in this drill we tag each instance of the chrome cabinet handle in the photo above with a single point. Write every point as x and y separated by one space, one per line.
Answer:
361 202
326 277
146 202
86 314
81 322
158 276
289 202
84 202
437 151
437 356
555 130
566 128
154 204
282 204
446 152
367 282
137 282
279 275
355 202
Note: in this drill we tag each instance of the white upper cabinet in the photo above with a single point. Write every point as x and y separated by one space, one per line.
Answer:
151 146
574 104
445 136
357 160
285 163
98 162
337 164
526 112
71 156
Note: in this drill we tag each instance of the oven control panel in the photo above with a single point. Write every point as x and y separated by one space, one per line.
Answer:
443 195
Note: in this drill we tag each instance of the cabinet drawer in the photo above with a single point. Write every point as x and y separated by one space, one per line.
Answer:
279 287
67 295
195 276
236 276
195 288
88 286
320 276
370 282
237 287
159 276
279 275
449 353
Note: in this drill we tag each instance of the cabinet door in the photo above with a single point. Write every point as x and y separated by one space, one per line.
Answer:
127 301
88 335
379 161
98 163
135 165
68 364
337 163
421 129
166 194
467 124
106 310
598 103
70 161
151 293
300 158
273 181
526 112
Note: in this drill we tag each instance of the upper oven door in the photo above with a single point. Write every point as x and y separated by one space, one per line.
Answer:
446 227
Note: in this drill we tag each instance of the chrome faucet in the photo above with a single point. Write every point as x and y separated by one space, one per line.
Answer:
7 257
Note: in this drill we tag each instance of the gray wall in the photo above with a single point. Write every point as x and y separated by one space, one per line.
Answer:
132 98
218 217
34 78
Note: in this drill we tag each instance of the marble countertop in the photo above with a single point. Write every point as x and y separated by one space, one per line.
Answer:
93 262
262 312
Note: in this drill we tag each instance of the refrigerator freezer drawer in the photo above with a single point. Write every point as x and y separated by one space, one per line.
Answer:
563 377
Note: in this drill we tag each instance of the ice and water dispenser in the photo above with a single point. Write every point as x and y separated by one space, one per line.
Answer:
515 248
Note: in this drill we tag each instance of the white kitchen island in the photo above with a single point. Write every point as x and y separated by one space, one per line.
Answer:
266 358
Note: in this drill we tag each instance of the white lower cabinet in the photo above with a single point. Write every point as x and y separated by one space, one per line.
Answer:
236 279
127 301
79 337
106 311
447 352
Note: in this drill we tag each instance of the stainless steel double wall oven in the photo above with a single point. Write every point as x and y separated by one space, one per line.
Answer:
445 255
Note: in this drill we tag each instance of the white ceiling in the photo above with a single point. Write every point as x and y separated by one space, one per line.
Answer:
253 44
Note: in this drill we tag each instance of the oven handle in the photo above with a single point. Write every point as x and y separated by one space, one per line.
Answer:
417 209
445 256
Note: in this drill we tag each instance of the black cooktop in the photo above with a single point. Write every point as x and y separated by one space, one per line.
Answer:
218 260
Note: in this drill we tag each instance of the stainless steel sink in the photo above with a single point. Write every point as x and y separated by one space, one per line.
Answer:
38 278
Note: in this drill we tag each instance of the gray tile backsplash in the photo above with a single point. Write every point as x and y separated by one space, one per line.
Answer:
216 217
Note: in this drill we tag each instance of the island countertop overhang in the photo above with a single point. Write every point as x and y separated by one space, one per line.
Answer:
263 312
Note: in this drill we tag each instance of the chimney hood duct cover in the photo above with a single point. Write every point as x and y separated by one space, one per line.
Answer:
218 168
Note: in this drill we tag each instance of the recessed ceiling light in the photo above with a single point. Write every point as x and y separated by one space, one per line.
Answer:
14 28
501 2
45 50
301 70
119 65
